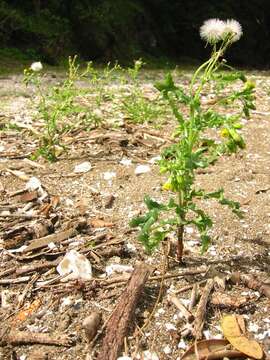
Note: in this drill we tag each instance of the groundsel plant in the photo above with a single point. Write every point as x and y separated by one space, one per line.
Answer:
135 105
194 148
54 104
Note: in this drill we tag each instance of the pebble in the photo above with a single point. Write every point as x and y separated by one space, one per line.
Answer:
91 324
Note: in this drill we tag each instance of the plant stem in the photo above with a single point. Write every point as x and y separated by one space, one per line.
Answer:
180 227
180 245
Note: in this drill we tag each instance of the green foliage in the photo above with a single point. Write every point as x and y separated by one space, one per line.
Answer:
195 149
136 106
65 106
54 107
140 110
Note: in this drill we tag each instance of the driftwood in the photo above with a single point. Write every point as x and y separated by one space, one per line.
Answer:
120 320
201 309
15 337
251 283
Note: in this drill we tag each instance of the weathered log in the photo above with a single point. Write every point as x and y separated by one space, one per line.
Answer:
120 320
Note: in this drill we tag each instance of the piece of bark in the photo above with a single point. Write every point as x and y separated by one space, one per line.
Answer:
251 283
26 290
19 235
201 309
55 238
184 311
37 267
226 300
193 297
111 251
120 320
16 337
28 196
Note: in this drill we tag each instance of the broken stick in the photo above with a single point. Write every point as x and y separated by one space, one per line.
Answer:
24 337
55 238
184 311
251 283
118 323
201 310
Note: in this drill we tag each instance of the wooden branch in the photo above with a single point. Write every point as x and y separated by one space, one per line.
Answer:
120 320
184 311
189 287
251 283
15 337
15 281
37 267
201 310
183 273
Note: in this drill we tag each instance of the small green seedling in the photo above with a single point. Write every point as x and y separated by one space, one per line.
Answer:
194 148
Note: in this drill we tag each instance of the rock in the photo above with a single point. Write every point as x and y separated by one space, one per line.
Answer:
91 324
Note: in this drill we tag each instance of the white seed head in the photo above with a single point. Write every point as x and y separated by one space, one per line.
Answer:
233 29
36 66
212 30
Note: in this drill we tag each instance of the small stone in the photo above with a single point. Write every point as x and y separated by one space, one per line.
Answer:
142 169
148 355
83 167
109 175
182 345
91 324
154 159
109 200
75 266
126 162
167 350
118 268
64 322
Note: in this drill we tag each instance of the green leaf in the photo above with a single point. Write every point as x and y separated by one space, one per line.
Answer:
138 221
219 195
166 85
151 204
205 242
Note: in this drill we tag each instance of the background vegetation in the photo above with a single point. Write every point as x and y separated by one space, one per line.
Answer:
106 30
